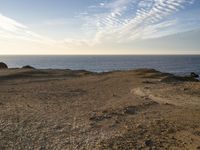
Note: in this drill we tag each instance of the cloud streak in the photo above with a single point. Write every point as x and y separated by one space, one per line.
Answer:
11 29
128 20
108 23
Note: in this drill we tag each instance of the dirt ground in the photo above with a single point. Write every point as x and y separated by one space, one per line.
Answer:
80 110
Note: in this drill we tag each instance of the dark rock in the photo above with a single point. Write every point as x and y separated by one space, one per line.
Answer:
3 66
185 89
100 117
28 67
143 70
149 143
179 79
148 82
197 133
168 104
130 110
194 75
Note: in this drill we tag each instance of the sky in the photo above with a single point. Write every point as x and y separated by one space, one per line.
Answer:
56 27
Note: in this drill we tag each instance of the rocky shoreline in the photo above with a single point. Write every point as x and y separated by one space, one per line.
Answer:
170 77
66 109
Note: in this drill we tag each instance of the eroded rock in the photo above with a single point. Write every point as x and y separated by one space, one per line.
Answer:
3 66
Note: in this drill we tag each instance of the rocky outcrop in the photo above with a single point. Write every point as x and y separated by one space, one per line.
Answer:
3 66
179 79
194 75
28 67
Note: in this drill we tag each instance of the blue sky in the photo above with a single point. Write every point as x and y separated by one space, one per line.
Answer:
99 27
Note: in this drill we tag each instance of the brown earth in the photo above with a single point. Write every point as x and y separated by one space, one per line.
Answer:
122 110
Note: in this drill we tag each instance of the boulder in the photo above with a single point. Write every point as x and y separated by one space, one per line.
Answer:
28 67
3 66
194 75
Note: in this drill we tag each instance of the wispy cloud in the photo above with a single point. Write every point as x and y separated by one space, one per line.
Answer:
10 24
128 20
23 36
12 29
113 21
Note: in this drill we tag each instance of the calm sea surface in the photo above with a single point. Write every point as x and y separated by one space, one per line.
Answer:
181 65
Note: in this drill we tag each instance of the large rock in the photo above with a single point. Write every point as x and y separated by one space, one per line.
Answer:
194 75
28 67
3 66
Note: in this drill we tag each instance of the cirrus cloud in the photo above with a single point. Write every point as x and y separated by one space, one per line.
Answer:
128 20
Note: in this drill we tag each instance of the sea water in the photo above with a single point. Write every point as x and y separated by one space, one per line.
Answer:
176 64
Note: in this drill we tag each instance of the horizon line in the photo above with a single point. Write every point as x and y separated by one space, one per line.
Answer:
94 54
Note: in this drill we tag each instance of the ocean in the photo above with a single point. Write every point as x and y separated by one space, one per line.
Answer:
176 64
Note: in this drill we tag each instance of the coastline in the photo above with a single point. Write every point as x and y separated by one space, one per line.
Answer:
175 64
67 109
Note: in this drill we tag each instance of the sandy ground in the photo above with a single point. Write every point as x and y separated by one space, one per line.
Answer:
122 110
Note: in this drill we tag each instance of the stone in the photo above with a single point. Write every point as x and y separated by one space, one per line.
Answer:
28 67
3 66
132 110
149 143
194 75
